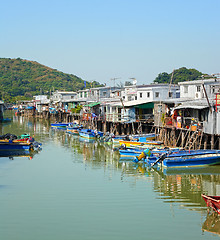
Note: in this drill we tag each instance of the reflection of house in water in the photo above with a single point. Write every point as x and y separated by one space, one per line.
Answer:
186 187
212 224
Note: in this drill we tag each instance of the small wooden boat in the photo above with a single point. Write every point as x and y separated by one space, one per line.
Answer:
87 133
176 158
10 145
23 142
139 143
60 125
193 158
212 202
74 129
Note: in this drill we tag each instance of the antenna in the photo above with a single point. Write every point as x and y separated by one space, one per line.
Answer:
134 80
113 79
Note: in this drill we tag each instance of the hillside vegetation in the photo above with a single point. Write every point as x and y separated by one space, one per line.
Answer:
180 75
22 79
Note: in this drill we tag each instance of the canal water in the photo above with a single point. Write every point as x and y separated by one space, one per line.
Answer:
74 189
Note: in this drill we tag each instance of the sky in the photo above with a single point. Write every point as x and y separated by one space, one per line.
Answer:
105 39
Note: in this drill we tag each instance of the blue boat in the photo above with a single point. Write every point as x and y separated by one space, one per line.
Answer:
15 146
60 125
185 158
74 129
89 133
194 158
130 152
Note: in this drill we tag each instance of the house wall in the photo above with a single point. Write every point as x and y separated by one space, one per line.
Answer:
194 89
151 93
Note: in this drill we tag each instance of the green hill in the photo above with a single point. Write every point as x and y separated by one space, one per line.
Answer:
22 79
180 75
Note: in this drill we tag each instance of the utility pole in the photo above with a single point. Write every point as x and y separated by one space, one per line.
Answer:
171 79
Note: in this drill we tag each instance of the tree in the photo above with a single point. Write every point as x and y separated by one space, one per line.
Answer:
180 75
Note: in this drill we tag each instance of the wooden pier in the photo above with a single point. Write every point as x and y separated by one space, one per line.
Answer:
169 135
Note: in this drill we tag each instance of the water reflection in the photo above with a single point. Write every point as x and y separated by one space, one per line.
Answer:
176 187
13 154
212 224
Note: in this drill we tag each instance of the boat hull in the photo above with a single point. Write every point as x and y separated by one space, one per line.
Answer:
133 143
15 146
202 160
212 202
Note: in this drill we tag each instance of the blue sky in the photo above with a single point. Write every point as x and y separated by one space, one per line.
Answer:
100 40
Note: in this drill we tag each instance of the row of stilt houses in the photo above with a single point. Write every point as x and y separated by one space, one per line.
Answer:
185 115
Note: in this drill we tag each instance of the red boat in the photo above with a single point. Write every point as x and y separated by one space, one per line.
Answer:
212 202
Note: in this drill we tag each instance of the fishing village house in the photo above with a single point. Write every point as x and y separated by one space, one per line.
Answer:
98 100
140 99
197 109
64 100
135 103
41 103
202 104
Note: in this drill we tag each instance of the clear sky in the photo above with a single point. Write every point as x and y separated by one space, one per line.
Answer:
104 39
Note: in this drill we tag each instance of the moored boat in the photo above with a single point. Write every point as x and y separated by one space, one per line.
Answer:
184 158
60 125
87 133
10 145
139 143
74 129
22 142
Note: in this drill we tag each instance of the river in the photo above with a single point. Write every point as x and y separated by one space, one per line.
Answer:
79 190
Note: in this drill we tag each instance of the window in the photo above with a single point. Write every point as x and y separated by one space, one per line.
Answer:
157 94
170 94
148 94
104 94
198 88
72 97
185 89
140 95
85 94
136 97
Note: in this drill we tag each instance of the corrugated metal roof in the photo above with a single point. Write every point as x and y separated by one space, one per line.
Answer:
184 106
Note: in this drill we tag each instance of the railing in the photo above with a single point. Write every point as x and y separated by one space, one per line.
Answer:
118 117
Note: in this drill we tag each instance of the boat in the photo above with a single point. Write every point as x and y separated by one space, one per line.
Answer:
212 202
74 129
60 125
134 138
184 158
193 158
129 153
140 143
9 142
10 145
87 133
